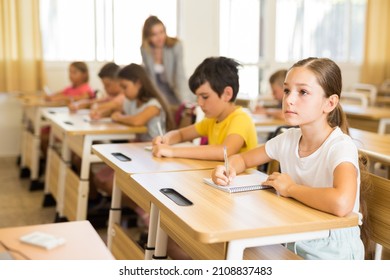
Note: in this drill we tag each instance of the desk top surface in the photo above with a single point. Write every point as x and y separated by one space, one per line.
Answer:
373 113
81 242
373 144
78 124
142 160
39 101
216 216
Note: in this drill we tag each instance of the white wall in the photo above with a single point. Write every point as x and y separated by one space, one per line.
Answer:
198 25
10 125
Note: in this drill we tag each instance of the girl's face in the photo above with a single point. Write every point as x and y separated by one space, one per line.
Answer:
76 76
157 36
130 88
304 100
211 104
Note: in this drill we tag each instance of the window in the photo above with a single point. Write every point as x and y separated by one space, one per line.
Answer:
324 28
240 40
263 34
99 30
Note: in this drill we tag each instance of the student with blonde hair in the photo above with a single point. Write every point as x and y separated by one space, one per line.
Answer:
162 57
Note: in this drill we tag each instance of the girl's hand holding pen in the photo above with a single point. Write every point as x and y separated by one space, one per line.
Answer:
219 176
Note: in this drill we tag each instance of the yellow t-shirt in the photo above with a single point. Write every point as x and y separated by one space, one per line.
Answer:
237 122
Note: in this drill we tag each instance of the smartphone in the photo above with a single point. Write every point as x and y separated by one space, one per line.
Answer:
121 157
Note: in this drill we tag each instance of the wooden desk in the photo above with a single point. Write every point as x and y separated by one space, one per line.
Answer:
366 118
82 242
77 135
33 121
142 161
220 225
374 145
382 101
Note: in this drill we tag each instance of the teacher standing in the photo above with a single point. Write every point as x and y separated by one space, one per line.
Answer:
162 57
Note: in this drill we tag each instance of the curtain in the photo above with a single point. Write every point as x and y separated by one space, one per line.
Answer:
21 63
376 62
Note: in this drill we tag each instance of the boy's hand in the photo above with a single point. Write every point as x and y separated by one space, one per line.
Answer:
95 114
162 150
218 175
158 140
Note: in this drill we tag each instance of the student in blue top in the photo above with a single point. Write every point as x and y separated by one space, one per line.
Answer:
319 161
144 105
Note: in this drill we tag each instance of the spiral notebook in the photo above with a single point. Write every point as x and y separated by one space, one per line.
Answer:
242 183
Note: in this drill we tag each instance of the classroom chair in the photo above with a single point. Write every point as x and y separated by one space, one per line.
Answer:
369 90
378 209
354 98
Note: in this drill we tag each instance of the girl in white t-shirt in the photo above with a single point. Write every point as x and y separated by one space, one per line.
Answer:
144 105
319 161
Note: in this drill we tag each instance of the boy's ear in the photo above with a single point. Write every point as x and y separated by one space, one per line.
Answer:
227 94
332 102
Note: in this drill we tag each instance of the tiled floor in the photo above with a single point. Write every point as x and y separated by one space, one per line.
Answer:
18 205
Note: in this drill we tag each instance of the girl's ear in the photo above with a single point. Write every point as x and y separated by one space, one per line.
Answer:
331 103
227 94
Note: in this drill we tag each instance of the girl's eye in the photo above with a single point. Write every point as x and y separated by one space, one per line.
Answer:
303 92
286 91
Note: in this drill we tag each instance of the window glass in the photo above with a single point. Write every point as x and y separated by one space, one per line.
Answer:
101 30
324 28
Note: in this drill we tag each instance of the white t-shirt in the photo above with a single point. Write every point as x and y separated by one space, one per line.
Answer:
130 108
317 169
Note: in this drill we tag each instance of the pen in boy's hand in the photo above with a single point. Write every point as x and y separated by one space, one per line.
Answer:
226 160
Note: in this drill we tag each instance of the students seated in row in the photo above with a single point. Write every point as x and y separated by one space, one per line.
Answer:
276 81
79 88
215 83
319 161
143 106
112 101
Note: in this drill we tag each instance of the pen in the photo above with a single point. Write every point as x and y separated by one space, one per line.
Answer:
160 130
225 158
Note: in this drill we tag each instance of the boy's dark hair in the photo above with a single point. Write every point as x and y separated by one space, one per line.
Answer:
109 70
220 72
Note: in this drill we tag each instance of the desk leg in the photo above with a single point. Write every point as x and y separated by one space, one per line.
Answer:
65 156
152 233
35 153
161 243
115 212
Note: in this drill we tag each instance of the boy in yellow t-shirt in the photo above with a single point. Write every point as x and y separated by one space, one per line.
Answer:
215 84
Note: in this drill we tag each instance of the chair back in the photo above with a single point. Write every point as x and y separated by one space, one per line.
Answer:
370 90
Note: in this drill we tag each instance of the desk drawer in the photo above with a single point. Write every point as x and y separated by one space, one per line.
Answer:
53 168
75 196
194 248
124 247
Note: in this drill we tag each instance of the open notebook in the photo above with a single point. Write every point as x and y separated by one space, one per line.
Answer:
242 183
